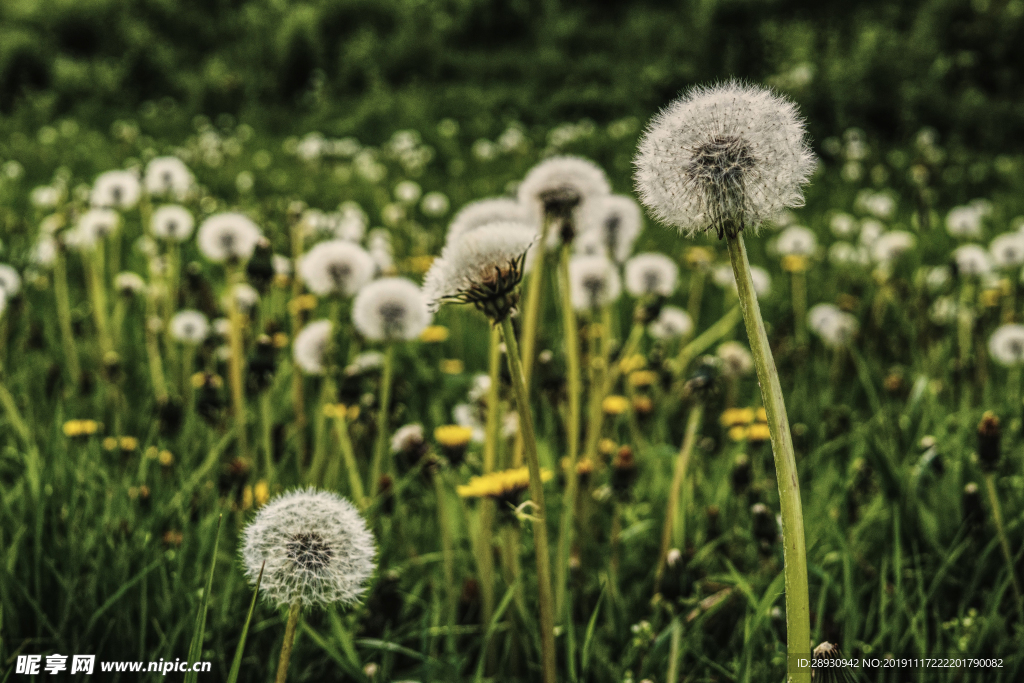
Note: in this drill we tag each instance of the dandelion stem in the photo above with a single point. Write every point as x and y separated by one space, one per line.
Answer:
997 516
381 444
693 301
704 341
678 476
156 365
60 293
798 629
575 390
237 358
266 416
540 531
298 396
94 264
447 555
485 553
675 645
289 641
348 454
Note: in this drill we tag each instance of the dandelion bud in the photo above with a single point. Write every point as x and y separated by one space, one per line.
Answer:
260 269
386 493
713 514
262 364
624 472
989 434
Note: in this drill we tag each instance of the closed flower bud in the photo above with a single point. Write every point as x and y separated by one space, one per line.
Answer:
989 434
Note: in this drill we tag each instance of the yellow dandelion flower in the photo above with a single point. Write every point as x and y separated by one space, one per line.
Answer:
453 436
732 417
419 264
759 432
795 263
335 410
584 467
434 334
632 363
989 298
452 366
128 443
353 413
261 492
198 379
152 453
280 340
90 427
303 302
615 405
607 446
109 443
697 257
643 378
246 498
166 458
738 433
500 484
643 405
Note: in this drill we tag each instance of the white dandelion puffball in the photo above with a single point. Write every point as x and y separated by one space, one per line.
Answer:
820 315
310 347
590 243
936 278
408 191
880 205
724 277
891 245
435 204
672 322
312 546
407 438
1006 345
10 281
115 190
189 327
93 226
46 197
366 361
1008 250
736 359
943 311
726 158
44 252
846 254
128 283
870 230
466 415
835 327
616 219
227 237
483 268
972 260
336 267
281 264
964 222
593 282
486 211
245 297
168 177
479 388
352 223
172 222
561 185
844 225
390 309
796 241
651 273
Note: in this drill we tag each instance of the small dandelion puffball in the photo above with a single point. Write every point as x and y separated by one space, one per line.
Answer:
128 284
672 322
486 211
820 315
846 254
434 204
844 225
891 245
724 277
593 282
115 190
245 297
189 327
336 267
390 309
972 260
1006 345
964 222
172 223
93 226
796 241
168 177
10 281
835 327
559 186
483 268
1008 250
313 547
310 347
725 158
616 220
870 230
651 273
736 360
407 438
227 237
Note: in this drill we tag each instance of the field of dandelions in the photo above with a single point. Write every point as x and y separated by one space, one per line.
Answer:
198 328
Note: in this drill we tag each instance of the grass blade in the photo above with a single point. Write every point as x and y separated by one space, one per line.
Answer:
196 647
236 664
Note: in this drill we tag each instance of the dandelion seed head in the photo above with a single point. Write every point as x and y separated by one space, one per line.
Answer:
10 280
93 226
593 282
227 237
313 546
407 438
846 254
390 309
724 277
651 273
843 225
725 158
189 327
835 327
336 267
1008 250
964 222
1006 345
245 297
115 190
972 260
172 222
561 186
736 359
891 245
127 283
309 349
796 240
168 177
672 322
615 220
486 211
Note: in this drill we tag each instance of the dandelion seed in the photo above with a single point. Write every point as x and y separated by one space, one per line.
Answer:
168 177
724 158
336 267
390 309
615 221
227 237
189 327
1006 345
115 190
172 223
310 347
672 322
312 547
651 274
593 282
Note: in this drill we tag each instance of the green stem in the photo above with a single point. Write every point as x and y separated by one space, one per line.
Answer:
237 359
997 516
447 555
965 324
676 642
60 292
266 415
380 447
94 263
707 338
678 477
485 552
540 530
798 624
575 389
696 294
355 482
289 641
156 365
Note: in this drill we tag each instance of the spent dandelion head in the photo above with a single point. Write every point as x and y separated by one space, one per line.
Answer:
93 226
559 188
227 237
972 260
614 221
672 322
168 177
1006 345
10 281
486 211
651 274
736 359
390 309
796 240
312 547
189 327
336 267
309 349
723 158
891 245
484 269
1008 250
115 190
129 284
593 282
172 222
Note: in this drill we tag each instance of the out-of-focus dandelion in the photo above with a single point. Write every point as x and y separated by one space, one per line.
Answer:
227 237
964 222
168 177
594 282
486 211
614 220
336 267
172 222
310 347
672 322
651 274
115 190
189 327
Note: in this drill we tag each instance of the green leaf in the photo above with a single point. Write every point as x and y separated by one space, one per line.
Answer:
236 664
